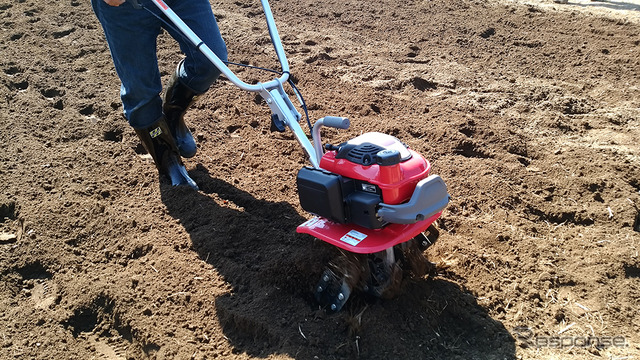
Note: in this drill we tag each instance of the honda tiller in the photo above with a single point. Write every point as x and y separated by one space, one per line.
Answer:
372 196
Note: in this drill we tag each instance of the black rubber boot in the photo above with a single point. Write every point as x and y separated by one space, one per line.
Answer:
160 144
177 99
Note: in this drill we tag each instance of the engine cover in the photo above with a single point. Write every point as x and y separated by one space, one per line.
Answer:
358 175
396 178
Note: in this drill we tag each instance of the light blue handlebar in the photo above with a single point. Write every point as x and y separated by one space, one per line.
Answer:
272 91
200 45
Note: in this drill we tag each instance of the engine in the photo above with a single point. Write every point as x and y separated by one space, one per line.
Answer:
357 176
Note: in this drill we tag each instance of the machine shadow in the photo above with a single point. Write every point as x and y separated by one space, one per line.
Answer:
253 244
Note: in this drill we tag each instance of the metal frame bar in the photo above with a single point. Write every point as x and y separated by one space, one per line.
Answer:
202 47
272 91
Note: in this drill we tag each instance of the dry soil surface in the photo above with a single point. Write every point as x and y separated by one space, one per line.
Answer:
529 111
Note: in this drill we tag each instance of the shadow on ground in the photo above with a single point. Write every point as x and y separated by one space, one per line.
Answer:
272 270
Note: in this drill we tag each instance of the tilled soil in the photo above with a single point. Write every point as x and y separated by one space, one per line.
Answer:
531 115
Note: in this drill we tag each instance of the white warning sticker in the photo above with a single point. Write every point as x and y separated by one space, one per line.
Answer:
353 237
309 223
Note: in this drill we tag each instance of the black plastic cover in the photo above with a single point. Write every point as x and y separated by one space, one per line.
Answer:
362 209
388 157
363 154
320 193
339 199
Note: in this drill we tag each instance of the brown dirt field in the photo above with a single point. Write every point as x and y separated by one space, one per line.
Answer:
530 112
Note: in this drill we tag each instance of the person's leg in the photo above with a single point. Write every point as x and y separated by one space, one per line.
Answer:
131 35
177 99
195 73
159 142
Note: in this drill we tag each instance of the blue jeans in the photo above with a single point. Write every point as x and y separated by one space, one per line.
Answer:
132 34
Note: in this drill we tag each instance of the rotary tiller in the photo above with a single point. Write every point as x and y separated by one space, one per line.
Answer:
372 196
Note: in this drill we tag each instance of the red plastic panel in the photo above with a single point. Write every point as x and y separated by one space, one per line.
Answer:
361 240
397 182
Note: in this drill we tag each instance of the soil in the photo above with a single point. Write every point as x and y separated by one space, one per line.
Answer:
529 111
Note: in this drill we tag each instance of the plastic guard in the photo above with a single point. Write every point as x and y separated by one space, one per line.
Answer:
360 240
429 197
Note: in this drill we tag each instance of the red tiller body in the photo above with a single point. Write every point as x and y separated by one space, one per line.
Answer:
396 182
